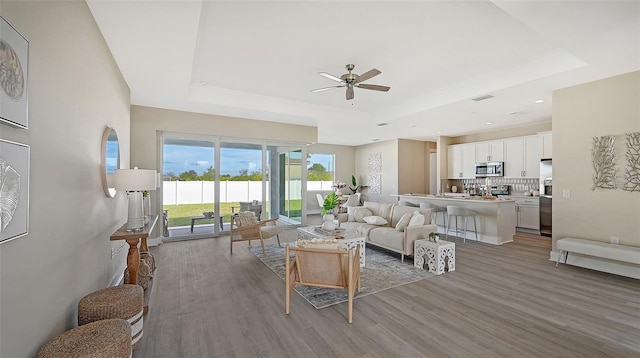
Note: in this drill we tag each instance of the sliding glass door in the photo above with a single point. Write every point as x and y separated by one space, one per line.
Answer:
207 179
189 185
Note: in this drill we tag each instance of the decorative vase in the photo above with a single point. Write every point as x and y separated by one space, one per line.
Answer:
328 222
338 192
146 208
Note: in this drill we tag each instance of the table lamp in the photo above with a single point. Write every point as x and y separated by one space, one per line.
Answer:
134 182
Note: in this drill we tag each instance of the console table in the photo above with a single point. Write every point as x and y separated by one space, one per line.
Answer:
135 238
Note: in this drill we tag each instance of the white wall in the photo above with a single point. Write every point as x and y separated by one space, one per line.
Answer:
75 90
389 150
607 107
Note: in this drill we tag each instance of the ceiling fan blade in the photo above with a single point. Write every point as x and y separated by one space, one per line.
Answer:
325 88
369 74
374 87
330 76
349 92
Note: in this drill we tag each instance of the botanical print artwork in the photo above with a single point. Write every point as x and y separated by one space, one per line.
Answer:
632 167
14 76
9 193
604 162
14 190
11 75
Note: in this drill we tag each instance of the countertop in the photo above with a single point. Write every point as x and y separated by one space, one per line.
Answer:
475 199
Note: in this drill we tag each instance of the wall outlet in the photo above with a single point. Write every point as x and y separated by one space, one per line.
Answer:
566 193
613 240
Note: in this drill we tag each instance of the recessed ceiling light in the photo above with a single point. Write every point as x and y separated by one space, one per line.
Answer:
489 123
539 101
439 132
375 140
382 124
515 113
203 82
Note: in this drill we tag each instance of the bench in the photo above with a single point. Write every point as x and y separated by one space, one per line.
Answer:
623 253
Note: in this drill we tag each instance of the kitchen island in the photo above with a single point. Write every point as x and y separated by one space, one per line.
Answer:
496 217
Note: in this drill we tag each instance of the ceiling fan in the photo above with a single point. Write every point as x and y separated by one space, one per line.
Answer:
351 80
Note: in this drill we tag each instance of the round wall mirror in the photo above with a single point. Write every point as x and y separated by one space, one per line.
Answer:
110 161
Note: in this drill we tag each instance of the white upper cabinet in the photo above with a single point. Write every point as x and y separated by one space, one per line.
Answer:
468 161
522 157
547 146
532 156
462 161
513 158
490 151
455 162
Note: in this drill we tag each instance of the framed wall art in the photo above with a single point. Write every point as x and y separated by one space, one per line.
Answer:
14 62
14 190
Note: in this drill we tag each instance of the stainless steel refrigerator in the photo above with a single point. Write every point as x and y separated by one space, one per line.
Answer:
546 196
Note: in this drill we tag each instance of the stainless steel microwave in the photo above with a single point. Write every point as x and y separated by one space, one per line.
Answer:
491 169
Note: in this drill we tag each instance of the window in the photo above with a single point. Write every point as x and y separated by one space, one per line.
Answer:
320 171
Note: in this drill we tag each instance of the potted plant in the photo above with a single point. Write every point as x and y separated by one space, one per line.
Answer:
355 188
434 236
330 202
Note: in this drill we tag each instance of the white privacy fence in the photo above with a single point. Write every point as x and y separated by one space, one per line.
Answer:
201 192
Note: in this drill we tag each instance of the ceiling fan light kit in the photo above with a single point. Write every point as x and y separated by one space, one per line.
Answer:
351 80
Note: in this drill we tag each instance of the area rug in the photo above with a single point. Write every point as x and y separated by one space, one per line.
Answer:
382 271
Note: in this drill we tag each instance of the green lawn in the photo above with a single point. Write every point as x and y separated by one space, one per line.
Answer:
180 215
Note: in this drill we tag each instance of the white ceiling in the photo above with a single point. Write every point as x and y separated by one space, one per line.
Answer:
260 59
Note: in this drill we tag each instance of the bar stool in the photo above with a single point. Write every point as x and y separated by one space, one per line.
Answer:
457 211
436 209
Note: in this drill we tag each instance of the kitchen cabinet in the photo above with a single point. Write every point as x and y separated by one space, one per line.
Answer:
527 212
490 151
522 157
461 161
547 147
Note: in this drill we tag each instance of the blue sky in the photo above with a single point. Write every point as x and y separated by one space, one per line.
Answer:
179 158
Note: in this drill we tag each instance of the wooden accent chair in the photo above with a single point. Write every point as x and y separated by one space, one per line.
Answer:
246 227
320 267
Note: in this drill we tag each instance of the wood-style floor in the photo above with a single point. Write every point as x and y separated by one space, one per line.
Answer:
502 301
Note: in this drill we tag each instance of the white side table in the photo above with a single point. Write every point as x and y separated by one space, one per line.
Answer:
438 255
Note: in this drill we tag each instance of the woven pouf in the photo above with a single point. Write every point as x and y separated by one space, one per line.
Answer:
124 301
110 338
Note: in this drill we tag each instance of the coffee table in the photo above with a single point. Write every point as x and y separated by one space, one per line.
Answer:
349 241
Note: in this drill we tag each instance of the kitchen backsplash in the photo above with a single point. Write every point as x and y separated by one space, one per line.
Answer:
518 186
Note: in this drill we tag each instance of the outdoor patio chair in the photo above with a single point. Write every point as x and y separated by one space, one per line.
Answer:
321 267
246 227
254 206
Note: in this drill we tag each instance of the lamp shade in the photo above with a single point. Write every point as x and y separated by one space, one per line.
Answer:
135 179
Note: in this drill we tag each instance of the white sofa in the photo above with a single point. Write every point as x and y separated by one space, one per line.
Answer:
386 236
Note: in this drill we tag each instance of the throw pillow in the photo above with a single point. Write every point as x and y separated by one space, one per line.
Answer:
351 210
359 214
417 219
375 220
247 218
403 222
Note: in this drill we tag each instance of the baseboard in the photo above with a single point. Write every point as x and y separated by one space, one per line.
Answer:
155 241
119 274
598 264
